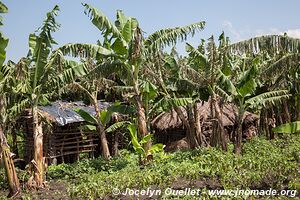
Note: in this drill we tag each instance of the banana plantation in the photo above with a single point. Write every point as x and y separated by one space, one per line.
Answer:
128 112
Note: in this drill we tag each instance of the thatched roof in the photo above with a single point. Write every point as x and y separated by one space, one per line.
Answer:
167 120
170 120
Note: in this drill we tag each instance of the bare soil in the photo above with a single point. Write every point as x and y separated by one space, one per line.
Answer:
56 190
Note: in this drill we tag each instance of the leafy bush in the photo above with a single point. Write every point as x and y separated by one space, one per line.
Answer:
263 165
3 183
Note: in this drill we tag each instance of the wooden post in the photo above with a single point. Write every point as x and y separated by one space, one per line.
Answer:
62 150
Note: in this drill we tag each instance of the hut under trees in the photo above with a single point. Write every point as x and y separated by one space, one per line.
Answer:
170 130
64 138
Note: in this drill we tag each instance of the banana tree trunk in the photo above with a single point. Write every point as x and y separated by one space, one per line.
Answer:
239 133
286 112
190 125
267 131
38 148
272 124
218 138
116 135
199 134
116 144
261 122
214 135
9 131
142 122
298 108
15 143
12 178
101 132
191 133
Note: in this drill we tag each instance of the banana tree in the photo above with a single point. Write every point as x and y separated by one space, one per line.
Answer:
11 106
130 50
91 86
179 93
243 93
5 116
201 72
279 70
105 117
47 72
145 155
5 153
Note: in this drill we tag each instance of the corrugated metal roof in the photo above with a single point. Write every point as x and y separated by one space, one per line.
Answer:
63 112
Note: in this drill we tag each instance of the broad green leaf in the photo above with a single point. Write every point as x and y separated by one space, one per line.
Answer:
73 70
85 50
267 98
119 47
226 68
169 36
149 89
32 44
196 54
122 109
3 8
121 20
103 23
89 127
44 99
171 62
40 46
132 131
3 45
247 84
134 140
166 104
86 116
116 126
247 88
134 23
293 127
127 31
104 117
226 83
156 148
146 139
19 107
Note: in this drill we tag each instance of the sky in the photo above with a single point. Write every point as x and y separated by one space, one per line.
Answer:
239 19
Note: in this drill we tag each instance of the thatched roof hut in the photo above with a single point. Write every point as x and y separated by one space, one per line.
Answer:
169 127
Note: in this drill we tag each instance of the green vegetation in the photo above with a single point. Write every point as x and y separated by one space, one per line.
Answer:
264 164
259 75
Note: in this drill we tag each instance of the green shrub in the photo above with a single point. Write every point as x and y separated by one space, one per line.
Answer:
263 165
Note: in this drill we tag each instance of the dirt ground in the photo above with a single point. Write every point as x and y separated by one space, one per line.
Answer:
57 190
